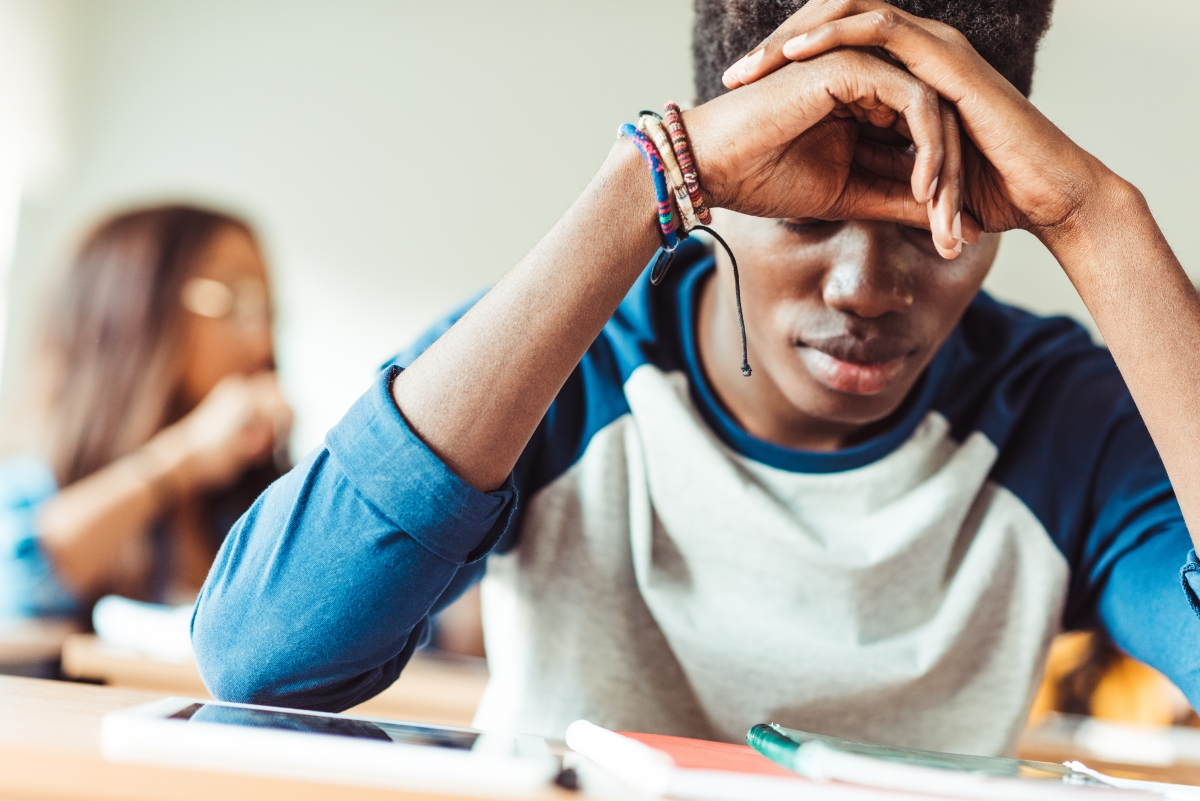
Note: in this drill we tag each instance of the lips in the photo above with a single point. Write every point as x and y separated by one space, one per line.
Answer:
858 367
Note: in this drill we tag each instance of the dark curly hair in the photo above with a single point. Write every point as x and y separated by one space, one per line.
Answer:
1005 32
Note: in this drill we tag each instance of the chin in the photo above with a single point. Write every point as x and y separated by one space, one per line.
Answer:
816 400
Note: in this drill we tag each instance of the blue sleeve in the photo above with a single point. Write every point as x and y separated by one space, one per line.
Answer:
324 588
1084 463
322 591
28 586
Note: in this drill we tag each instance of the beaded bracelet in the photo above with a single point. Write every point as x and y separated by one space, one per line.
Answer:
666 220
652 126
666 217
687 165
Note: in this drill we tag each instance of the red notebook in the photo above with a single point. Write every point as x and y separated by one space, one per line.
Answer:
690 754
700 770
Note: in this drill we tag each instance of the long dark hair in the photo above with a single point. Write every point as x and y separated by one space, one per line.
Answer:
108 359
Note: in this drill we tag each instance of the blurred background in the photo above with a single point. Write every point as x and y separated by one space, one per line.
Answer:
395 157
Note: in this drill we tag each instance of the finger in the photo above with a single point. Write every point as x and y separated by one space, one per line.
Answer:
884 160
895 164
856 76
769 56
868 196
931 51
945 220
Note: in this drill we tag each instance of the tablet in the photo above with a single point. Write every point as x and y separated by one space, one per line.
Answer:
325 747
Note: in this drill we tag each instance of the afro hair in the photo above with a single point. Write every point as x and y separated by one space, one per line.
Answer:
1005 32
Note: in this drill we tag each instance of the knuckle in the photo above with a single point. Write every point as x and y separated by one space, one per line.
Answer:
926 96
885 20
840 58
950 34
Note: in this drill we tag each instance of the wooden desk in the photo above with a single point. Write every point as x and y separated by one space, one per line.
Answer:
50 749
28 641
447 691
430 690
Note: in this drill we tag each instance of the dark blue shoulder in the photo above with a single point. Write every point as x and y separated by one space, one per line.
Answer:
1000 358
1073 448
431 334
645 329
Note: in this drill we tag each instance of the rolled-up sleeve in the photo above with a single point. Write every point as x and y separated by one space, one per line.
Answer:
322 590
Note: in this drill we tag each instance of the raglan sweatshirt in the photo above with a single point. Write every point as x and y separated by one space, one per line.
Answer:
651 566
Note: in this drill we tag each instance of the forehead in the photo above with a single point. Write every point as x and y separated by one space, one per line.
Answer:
231 255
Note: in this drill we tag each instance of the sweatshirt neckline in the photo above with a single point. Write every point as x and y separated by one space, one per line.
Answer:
779 456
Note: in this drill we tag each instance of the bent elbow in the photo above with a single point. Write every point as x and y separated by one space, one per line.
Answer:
232 666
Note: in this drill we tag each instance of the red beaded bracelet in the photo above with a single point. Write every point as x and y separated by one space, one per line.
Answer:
673 119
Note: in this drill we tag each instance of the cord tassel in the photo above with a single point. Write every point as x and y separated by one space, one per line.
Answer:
737 294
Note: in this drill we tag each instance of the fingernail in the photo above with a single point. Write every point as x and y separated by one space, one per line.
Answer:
729 79
792 46
749 62
933 188
956 229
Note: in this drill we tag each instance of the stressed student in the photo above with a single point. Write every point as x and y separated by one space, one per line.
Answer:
876 533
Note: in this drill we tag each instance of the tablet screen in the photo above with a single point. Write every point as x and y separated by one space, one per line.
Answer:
318 724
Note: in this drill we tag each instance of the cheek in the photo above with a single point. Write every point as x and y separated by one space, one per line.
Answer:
951 285
218 348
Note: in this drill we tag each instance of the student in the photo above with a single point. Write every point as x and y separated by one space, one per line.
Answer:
877 533
152 418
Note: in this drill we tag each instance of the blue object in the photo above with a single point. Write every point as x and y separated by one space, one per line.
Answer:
662 192
28 587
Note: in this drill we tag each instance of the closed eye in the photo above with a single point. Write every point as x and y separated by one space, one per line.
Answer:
809 226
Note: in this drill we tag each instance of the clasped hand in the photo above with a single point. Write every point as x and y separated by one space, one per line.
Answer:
853 109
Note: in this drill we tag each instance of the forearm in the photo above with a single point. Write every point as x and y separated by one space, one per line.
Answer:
1149 314
341 556
84 527
476 396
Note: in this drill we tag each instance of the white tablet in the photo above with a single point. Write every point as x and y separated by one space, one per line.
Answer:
324 747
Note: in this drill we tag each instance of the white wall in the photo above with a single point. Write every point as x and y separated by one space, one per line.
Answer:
32 60
1120 79
399 155
395 155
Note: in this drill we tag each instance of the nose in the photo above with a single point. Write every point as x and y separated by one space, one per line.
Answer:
868 276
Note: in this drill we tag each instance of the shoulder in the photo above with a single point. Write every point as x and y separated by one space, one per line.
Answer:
1001 361
651 323
1071 444
646 329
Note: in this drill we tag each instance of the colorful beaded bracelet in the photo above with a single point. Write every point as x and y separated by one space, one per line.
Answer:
666 216
673 121
666 220
652 126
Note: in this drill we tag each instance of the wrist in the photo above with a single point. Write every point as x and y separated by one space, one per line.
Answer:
625 175
164 463
706 152
1107 201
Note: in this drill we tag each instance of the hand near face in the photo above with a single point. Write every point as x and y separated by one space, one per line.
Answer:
236 426
789 147
1019 170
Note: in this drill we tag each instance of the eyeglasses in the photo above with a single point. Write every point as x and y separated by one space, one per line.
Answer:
246 301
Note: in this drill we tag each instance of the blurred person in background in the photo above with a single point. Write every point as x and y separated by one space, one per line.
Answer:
152 419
